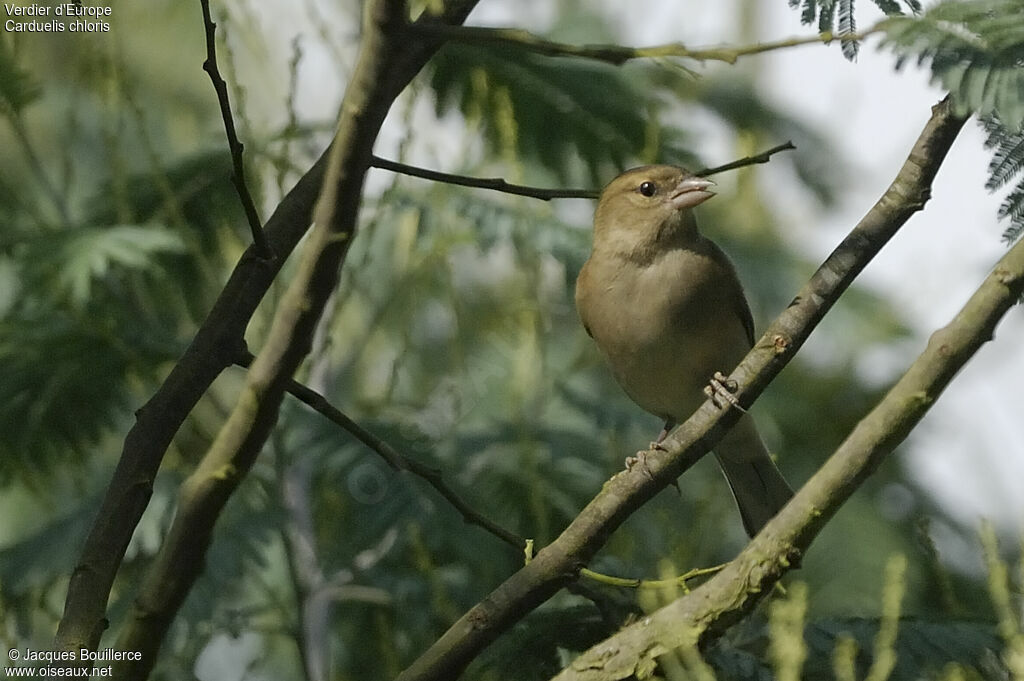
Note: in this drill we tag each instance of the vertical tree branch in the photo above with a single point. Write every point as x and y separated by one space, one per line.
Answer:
202 496
217 345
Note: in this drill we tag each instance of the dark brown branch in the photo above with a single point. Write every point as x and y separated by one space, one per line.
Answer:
702 615
398 461
763 157
252 216
500 185
202 496
493 183
558 564
215 347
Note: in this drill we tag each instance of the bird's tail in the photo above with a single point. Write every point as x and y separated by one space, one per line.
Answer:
757 485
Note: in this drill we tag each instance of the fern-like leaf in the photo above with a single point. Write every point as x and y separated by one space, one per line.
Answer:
558 107
17 88
79 257
826 11
976 50
847 27
1008 157
1007 164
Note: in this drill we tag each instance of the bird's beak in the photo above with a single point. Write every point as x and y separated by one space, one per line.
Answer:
690 192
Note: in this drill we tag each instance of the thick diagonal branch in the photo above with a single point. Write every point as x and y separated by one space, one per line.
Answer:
708 610
202 496
558 563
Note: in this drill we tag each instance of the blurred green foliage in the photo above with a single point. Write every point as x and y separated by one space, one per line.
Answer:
452 336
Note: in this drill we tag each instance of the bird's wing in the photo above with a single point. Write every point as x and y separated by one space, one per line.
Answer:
739 301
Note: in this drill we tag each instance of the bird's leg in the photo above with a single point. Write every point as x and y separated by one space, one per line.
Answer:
723 387
669 425
641 456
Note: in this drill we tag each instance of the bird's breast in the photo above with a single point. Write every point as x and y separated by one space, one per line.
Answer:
663 327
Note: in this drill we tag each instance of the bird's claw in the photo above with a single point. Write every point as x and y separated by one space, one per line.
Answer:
640 459
721 387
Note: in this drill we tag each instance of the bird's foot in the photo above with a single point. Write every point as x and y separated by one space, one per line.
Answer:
721 387
640 459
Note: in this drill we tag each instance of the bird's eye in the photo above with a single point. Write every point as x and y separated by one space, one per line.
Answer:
648 189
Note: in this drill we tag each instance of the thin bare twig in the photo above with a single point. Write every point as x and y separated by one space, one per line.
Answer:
493 183
252 216
763 157
500 185
395 459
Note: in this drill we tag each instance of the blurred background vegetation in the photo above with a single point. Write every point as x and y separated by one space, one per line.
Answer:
452 336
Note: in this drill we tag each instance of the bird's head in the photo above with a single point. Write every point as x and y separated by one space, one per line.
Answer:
648 204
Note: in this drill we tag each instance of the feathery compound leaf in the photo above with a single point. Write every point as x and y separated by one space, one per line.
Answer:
54 406
1013 208
1007 163
826 16
890 7
81 256
17 89
825 12
1008 157
549 109
848 26
976 50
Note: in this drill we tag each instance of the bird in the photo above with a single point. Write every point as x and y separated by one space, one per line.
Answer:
666 308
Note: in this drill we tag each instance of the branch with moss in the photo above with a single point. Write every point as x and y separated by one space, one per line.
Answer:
500 185
700 616
215 347
559 563
619 54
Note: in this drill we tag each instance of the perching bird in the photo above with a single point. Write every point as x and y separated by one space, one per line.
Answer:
667 311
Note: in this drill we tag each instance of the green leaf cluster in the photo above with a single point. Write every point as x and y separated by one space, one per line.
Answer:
18 88
1007 164
976 51
825 13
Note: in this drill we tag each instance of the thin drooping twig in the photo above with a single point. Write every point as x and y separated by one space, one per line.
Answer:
698 617
252 216
619 54
500 185
215 346
398 461
558 563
